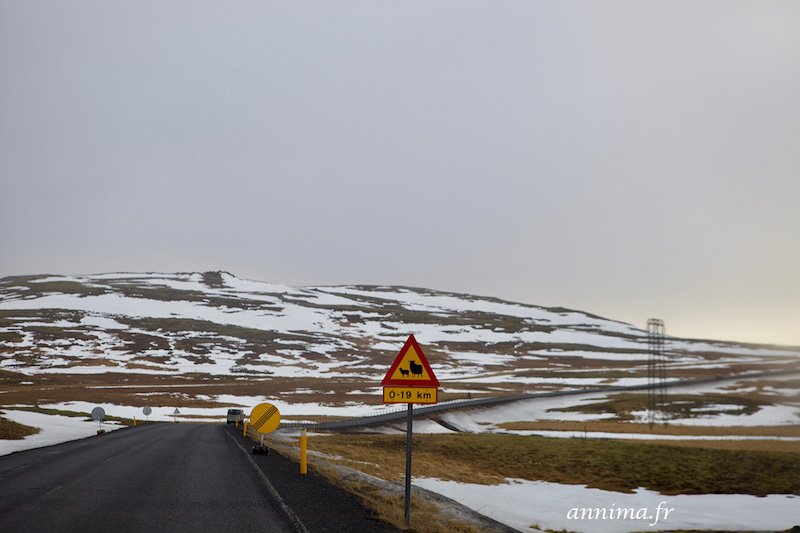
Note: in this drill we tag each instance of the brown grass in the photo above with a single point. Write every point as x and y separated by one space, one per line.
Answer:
127 389
613 426
766 445
489 459
770 445
10 430
425 517
611 465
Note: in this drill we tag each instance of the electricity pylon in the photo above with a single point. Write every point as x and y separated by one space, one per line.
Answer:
656 372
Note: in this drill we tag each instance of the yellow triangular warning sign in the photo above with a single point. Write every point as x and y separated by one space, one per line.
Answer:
411 368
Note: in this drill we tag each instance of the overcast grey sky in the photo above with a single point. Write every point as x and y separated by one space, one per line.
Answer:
628 159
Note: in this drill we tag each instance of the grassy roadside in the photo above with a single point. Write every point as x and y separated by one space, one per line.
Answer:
384 499
491 458
611 465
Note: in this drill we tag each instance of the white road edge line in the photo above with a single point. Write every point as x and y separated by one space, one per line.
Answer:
274 493
48 493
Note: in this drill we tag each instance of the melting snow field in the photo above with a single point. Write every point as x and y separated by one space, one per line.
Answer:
538 505
522 504
55 429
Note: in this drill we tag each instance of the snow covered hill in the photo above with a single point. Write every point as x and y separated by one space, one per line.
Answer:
214 323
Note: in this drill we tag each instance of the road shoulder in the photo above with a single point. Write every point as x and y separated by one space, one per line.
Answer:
319 505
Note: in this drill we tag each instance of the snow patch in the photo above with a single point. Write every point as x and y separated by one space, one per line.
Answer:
523 504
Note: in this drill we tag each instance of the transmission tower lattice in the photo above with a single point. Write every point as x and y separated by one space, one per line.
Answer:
656 372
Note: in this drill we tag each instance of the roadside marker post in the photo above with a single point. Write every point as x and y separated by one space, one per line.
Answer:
303 459
410 380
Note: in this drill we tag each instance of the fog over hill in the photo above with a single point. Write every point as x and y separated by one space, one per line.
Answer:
216 324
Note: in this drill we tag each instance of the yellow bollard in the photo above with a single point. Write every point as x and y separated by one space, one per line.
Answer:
237 422
244 432
134 421
303 461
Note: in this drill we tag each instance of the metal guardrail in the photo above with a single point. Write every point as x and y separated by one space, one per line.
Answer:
400 414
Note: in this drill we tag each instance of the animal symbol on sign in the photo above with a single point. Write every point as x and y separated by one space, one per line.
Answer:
416 370
403 372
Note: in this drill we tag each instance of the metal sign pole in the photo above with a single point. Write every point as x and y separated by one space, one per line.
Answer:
409 423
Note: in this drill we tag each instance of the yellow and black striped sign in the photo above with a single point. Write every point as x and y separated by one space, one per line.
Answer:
265 418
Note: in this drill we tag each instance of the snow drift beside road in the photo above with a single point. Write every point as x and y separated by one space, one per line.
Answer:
55 429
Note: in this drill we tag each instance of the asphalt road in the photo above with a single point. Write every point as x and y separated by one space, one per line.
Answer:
169 477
